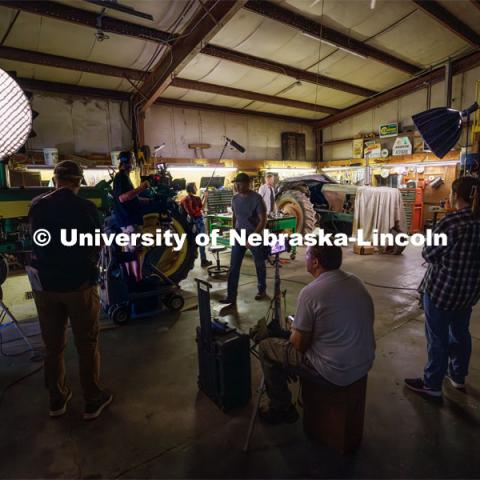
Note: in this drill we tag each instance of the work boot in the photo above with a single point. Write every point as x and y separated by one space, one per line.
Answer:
95 408
274 416
456 383
206 263
261 295
59 407
228 301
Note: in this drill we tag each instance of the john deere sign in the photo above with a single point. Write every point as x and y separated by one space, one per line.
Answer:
388 130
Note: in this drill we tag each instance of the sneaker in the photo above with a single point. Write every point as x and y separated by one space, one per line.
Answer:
274 416
260 295
58 408
206 263
417 385
227 301
94 409
457 385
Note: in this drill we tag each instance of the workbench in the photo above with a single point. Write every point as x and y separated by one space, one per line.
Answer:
223 222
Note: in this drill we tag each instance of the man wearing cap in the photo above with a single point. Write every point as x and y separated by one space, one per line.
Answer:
128 208
249 214
64 288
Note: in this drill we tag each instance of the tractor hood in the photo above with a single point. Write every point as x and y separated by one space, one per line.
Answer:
305 180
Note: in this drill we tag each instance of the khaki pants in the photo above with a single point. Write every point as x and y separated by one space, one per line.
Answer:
279 360
82 308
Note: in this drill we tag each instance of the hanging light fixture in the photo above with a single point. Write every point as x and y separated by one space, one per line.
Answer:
15 115
441 127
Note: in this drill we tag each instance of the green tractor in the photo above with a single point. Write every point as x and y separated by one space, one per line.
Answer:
16 240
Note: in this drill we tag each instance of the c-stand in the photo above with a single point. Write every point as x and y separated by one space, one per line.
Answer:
274 329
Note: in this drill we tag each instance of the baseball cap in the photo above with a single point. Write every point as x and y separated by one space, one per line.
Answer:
125 157
68 170
242 178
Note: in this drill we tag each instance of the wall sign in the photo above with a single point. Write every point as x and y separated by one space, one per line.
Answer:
402 146
373 150
388 130
358 148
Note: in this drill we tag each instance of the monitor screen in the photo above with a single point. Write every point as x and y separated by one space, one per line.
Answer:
216 182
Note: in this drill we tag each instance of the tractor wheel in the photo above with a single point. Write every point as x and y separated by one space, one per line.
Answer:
174 265
296 203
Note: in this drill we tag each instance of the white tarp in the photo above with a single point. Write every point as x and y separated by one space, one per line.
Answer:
378 208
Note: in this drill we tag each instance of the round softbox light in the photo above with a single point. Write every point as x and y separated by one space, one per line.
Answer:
15 115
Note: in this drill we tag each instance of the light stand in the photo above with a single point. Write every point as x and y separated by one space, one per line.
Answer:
275 330
5 313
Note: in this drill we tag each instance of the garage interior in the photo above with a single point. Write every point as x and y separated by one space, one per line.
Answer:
209 89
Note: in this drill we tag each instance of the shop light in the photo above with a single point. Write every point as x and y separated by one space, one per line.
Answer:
289 170
326 42
199 168
334 169
395 165
419 164
15 115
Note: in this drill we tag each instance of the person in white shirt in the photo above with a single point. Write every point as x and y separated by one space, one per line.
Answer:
332 336
267 191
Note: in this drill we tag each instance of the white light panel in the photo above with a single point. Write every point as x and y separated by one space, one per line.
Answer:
15 115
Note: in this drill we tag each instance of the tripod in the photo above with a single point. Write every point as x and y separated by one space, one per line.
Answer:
6 313
274 328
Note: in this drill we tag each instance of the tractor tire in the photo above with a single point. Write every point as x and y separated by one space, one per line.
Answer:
296 203
174 265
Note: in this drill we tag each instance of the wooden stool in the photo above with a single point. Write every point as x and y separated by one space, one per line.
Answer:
334 417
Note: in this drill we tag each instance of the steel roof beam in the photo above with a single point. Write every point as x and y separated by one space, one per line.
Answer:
322 32
263 64
248 95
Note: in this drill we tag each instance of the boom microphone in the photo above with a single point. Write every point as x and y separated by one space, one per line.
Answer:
235 145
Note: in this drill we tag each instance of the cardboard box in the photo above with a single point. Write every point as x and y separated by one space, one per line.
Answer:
363 250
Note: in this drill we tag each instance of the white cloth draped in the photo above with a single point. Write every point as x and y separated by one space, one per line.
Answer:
378 208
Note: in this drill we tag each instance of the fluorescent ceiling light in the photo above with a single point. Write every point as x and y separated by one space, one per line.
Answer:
289 170
419 164
201 169
394 165
326 42
332 169
15 115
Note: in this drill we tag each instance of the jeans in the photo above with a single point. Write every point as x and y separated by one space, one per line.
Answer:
280 360
200 228
82 308
236 258
449 344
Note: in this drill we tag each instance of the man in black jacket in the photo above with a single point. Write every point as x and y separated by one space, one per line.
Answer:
64 287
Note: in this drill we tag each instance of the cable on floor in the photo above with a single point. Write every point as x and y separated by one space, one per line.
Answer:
18 380
390 287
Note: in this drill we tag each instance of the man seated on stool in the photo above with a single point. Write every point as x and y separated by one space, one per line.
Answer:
332 340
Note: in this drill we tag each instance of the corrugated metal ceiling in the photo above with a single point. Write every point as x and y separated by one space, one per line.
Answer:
397 27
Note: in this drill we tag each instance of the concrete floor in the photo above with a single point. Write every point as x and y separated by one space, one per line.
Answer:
161 426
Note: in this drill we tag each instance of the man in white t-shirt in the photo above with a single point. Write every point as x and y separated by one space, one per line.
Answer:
267 191
332 335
